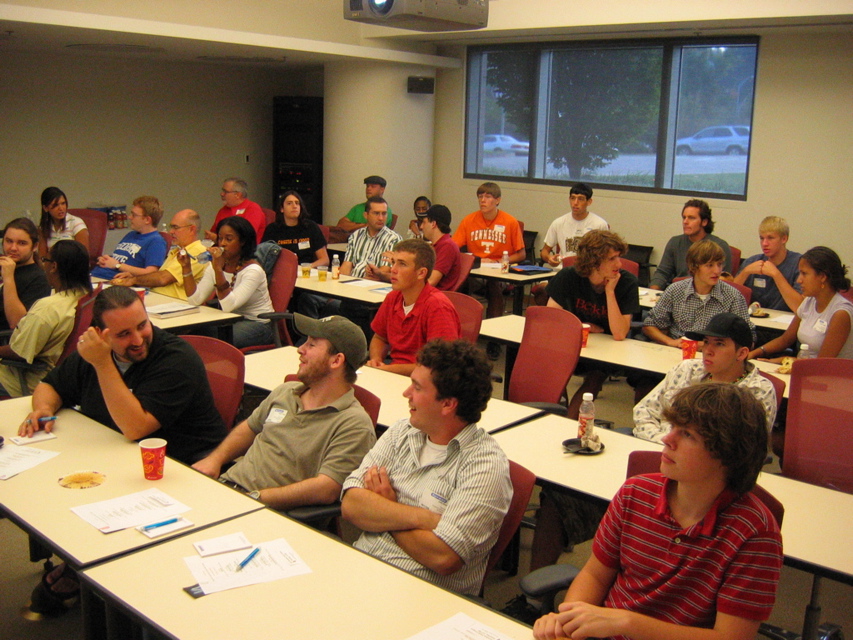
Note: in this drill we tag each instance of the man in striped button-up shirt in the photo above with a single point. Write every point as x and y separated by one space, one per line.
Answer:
432 494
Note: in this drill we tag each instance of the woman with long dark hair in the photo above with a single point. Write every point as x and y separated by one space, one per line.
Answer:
295 231
57 224
823 319
41 334
239 281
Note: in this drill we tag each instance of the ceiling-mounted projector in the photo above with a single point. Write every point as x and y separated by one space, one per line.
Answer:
420 15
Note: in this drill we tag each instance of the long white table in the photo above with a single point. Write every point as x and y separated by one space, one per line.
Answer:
633 354
267 369
517 279
343 291
36 502
347 594
206 317
816 531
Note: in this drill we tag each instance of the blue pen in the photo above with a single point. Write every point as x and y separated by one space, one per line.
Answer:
248 559
47 418
160 524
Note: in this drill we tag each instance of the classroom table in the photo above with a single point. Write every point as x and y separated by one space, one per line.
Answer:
347 594
267 369
632 354
223 321
776 320
341 290
815 530
36 502
517 279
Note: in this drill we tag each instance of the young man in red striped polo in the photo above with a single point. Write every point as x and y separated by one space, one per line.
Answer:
688 552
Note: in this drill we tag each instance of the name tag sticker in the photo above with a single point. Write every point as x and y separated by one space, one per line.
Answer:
759 283
305 244
276 415
820 326
433 501
500 228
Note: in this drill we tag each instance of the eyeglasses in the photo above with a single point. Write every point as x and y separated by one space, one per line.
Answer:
175 227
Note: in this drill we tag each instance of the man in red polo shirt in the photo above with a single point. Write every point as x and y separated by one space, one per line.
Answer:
236 203
414 313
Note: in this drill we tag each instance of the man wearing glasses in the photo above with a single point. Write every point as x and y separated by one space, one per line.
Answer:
143 249
169 280
236 203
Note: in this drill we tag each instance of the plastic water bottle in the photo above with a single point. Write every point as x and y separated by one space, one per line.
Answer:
804 352
505 262
336 267
586 417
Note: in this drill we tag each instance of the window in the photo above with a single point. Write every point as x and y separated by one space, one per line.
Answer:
668 116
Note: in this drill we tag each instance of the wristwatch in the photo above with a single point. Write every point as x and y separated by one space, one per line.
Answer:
254 495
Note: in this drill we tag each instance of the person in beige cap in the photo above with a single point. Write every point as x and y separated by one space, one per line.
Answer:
303 441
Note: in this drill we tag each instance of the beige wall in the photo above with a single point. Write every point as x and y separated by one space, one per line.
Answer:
800 166
374 126
107 130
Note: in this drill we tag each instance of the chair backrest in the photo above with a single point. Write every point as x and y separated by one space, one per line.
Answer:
523 481
529 244
819 427
369 400
470 314
643 462
281 287
642 255
551 342
225 365
270 214
393 224
746 292
778 387
82 321
736 254
569 261
466 263
326 231
631 267
167 237
97 223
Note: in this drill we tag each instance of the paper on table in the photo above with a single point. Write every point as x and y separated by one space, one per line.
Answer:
222 544
490 265
13 461
275 560
364 283
182 523
142 507
785 318
38 436
460 627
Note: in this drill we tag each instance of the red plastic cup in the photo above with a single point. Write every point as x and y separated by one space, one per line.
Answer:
585 327
688 348
153 457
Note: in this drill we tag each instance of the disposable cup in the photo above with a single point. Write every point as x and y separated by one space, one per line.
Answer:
153 457
688 348
586 329
306 269
322 273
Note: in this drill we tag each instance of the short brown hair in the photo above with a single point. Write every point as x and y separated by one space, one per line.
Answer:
732 424
423 252
593 249
491 188
151 207
703 252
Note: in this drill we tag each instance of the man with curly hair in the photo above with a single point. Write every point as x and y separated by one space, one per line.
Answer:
432 494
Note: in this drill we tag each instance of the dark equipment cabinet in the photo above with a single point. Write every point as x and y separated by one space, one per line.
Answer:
298 151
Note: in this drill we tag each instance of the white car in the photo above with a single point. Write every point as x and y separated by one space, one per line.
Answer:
499 143
733 141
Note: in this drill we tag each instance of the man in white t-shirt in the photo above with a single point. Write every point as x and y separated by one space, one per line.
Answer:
566 231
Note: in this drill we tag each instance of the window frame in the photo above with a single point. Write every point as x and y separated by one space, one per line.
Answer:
666 139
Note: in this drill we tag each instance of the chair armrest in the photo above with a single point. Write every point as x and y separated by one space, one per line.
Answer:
315 512
276 315
552 579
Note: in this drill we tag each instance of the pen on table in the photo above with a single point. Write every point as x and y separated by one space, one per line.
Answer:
248 559
47 418
160 524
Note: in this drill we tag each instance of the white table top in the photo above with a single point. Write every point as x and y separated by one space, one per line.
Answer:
516 278
339 289
815 531
205 316
267 369
636 354
776 320
337 246
347 594
36 501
